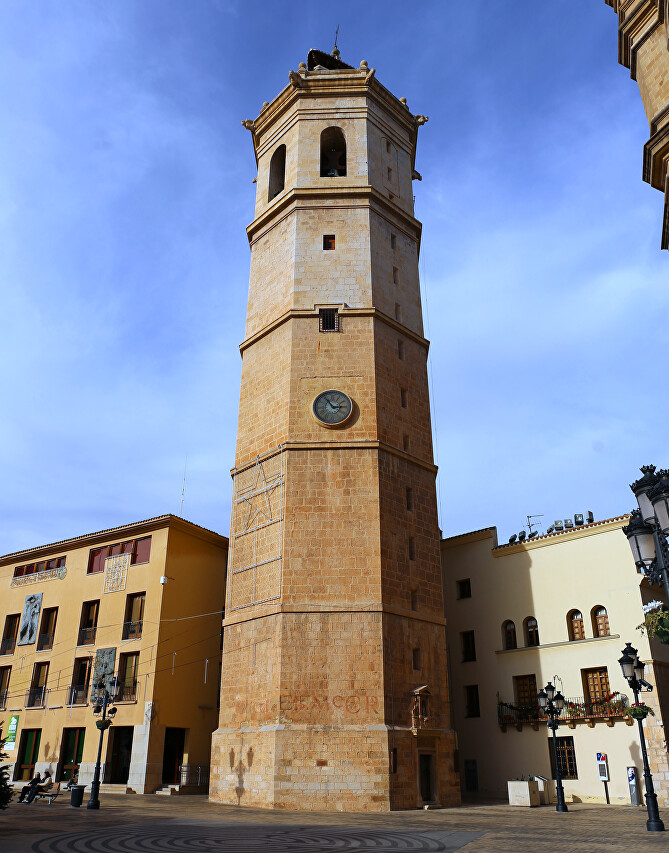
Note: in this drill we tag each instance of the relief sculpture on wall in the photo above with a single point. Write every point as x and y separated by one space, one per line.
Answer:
30 619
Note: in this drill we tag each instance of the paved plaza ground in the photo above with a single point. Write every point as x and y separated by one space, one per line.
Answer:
182 824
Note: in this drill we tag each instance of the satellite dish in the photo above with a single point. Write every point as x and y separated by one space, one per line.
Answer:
512 539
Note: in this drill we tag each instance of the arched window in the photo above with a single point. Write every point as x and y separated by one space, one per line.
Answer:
277 172
531 631
333 153
575 625
509 635
600 621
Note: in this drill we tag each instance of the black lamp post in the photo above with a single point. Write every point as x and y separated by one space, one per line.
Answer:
633 669
649 526
104 699
552 703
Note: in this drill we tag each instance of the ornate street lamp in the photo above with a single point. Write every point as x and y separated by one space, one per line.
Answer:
102 709
552 703
633 671
648 528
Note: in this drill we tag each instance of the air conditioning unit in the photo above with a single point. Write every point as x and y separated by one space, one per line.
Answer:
521 536
578 518
568 523
558 525
589 517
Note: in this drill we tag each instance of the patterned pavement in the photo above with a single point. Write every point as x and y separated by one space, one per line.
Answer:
149 824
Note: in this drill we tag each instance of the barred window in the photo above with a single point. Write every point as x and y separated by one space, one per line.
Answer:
566 756
328 320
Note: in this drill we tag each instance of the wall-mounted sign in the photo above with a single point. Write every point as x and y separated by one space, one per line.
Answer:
116 572
30 619
602 767
10 738
38 577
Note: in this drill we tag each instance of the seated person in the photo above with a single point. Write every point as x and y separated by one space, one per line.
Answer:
71 782
25 791
47 784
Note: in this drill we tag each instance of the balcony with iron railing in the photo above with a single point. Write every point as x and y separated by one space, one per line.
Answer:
7 646
132 630
45 642
36 697
126 692
77 694
86 637
576 710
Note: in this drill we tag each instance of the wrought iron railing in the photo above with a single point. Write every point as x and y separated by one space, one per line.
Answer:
7 646
132 630
35 697
575 708
126 692
194 775
77 694
44 642
86 636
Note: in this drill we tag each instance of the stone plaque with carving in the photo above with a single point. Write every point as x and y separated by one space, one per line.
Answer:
31 609
116 572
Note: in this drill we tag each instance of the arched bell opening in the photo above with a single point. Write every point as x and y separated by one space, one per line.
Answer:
333 153
277 172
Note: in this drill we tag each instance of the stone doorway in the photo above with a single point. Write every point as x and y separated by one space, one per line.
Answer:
173 755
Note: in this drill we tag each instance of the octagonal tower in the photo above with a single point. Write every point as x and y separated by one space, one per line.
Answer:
334 687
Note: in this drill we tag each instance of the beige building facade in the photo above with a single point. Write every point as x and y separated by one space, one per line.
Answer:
334 694
520 614
643 47
118 602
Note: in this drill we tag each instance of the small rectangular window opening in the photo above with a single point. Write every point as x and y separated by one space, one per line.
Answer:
404 397
415 656
400 350
396 275
393 241
387 146
390 174
468 645
414 599
328 320
405 442
409 498
393 760
412 548
328 242
398 312
464 588
472 705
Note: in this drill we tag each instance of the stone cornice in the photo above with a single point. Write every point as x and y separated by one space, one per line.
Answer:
239 616
298 313
333 84
343 444
351 195
635 28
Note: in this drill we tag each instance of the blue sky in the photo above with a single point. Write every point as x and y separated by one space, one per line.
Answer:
126 186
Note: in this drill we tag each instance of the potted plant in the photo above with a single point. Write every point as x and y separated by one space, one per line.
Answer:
639 711
656 621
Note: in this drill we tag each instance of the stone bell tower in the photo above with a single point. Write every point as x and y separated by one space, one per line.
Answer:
334 687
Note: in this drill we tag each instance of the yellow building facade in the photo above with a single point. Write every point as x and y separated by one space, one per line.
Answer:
334 694
142 602
643 47
519 614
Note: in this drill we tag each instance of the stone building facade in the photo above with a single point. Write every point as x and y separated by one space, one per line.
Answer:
141 602
521 613
643 47
334 691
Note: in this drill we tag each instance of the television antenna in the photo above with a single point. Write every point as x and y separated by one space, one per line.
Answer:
532 524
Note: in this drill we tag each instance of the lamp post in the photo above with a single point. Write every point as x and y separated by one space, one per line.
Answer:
552 703
648 528
104 699
633 670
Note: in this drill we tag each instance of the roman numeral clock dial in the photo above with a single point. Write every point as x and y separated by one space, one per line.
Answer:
332 408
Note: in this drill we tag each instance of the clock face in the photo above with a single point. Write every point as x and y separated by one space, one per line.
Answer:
332 408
